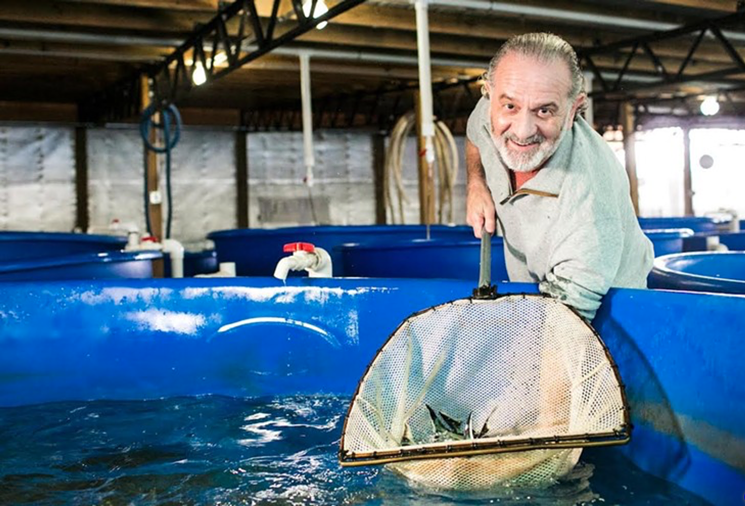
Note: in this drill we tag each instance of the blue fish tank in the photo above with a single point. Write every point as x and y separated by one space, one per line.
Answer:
234 391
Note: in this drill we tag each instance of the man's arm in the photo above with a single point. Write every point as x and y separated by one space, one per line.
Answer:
480 210
584 262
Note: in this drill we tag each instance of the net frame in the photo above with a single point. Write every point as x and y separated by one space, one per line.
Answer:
467 448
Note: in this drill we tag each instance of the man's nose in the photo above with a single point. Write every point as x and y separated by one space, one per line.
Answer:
524 125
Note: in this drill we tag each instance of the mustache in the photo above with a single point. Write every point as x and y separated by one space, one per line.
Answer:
533 139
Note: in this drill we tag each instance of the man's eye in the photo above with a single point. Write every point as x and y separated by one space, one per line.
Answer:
544 111
509 107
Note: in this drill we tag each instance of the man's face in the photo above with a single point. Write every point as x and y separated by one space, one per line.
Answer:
530 110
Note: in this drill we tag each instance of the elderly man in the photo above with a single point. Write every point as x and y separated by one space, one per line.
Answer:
553 185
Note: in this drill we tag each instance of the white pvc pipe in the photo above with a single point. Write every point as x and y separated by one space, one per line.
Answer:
176 251
305 97
544 12
425 79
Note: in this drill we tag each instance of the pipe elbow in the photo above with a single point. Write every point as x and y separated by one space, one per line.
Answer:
173 247
284 266
175 250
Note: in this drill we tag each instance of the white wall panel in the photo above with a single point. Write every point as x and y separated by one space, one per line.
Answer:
202 178
343 191
115 172
203 181
37 179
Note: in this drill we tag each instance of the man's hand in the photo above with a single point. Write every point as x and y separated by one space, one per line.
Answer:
480 210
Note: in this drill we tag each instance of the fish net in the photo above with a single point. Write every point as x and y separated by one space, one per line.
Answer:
474 394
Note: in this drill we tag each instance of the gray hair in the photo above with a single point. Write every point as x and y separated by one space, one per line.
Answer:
545 47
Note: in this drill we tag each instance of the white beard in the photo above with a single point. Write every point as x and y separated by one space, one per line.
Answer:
527 161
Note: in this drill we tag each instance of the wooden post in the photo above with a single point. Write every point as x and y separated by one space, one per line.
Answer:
378 153
82 218
426 183
155 206
687 183
241 178
629 129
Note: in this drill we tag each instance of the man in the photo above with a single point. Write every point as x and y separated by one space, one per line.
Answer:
554 186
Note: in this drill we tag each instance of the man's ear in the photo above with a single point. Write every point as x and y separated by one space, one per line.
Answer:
580 104
484 85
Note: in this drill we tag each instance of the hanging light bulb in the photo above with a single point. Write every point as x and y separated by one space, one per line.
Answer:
199 76
710 106
320 10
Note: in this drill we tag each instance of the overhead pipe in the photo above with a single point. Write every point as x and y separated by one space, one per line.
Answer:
425 77
86 38
361 56
495 7
554 14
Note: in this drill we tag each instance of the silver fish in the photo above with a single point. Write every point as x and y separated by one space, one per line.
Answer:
446 428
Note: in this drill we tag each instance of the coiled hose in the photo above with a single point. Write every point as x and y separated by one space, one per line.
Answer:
446 160
170 124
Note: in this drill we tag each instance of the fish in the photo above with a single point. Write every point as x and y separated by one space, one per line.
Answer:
447 428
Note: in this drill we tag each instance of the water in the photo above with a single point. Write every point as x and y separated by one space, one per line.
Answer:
215 450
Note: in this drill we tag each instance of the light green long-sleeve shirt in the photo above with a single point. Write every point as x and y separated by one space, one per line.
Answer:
572 227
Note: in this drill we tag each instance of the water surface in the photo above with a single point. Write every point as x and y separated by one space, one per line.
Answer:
214 450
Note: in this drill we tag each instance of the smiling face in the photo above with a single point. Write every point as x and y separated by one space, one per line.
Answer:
530 109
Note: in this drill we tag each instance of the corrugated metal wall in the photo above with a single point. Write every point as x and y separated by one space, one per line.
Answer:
37 171
343 191
37 178
202 175
115 172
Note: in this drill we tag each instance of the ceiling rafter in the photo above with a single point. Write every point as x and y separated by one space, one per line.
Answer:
229 31
692 34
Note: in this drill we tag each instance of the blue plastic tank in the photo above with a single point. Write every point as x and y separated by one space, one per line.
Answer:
699 224
195 262
702 226
721 272
105 265
679 355
733 240
668 240
28 245
257 251
420 258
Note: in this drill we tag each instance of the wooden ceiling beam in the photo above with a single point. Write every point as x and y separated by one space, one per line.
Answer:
101 18
177 5
719 6
38 111
133 54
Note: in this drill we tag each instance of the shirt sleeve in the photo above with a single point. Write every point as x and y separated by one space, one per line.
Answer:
586 251
477 120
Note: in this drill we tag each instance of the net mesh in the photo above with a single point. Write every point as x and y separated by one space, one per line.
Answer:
477 393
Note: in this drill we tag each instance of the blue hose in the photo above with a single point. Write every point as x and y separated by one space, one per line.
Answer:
169 115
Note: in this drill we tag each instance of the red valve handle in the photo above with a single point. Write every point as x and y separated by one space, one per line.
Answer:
298 246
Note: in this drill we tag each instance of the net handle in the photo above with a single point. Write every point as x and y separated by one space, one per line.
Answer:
485 290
